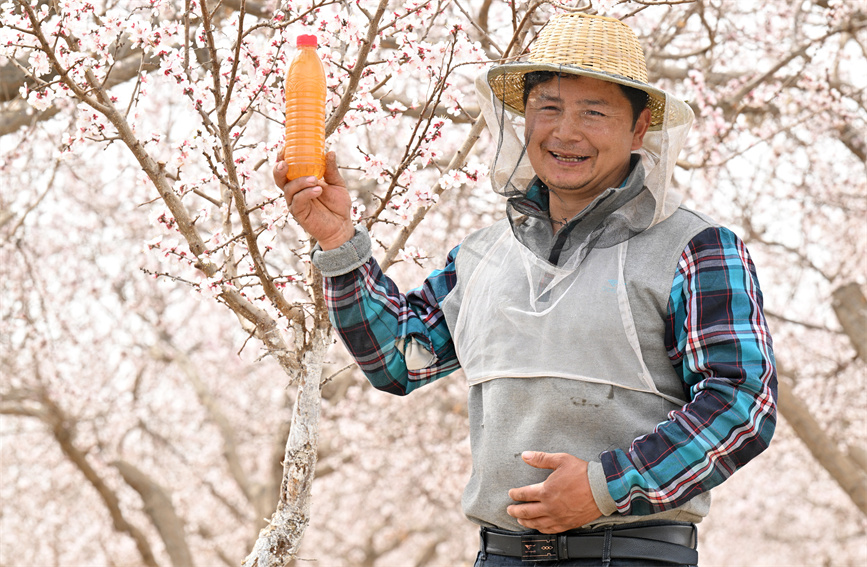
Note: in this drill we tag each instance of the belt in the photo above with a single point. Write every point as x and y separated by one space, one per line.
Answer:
672 542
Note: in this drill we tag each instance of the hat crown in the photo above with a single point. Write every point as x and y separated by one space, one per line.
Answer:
593 42
580 44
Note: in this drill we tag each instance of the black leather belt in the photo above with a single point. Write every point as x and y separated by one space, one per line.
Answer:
672 542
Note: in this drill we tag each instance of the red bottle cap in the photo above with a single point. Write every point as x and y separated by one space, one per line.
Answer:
306 41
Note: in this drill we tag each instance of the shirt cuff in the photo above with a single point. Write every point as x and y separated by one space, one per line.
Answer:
350 256
599 488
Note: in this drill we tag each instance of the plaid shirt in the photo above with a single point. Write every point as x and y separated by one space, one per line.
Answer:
717 340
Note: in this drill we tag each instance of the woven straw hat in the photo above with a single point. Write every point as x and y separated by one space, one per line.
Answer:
580 44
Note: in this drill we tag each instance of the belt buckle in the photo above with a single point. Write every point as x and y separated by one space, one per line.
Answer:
539 547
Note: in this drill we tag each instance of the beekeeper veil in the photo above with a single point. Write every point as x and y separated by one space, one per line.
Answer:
577 302
600 48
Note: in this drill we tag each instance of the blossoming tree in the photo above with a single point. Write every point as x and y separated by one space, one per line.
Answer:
166 352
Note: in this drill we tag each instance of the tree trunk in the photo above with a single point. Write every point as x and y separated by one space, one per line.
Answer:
850 306
843 469
279 541
158 506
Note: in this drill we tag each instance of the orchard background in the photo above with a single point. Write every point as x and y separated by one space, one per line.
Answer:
162 330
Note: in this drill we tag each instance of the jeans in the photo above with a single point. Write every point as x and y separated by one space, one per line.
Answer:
491 560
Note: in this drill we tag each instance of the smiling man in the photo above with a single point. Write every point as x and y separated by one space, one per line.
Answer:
580 135
618 361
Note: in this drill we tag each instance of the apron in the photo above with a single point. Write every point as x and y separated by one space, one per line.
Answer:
522 317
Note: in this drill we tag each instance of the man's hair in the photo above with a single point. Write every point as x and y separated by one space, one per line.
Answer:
637 98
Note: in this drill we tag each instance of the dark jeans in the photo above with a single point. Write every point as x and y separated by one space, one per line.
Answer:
503 561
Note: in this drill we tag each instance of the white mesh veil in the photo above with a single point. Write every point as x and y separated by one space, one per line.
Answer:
544 306
511 172
517 291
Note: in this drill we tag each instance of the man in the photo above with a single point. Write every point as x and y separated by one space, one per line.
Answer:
618 359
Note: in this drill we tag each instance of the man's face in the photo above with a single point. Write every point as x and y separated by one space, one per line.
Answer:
579 135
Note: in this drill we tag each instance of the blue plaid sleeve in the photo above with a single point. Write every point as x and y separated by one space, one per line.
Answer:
376 321
718 342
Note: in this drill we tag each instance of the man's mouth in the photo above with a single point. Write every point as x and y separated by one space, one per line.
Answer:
569 158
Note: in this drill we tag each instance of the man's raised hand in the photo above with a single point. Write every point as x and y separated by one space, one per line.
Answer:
322 207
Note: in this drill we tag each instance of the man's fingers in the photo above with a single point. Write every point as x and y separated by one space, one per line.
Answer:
332 173
528 511
542 460
301 199
562 502
279 173
535 516
529 493
300 191
543 525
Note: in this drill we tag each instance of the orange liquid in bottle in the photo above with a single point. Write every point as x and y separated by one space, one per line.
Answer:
304 150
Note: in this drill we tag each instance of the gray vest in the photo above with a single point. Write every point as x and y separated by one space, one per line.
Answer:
509 415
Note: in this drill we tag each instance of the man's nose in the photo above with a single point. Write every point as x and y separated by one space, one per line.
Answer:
570 128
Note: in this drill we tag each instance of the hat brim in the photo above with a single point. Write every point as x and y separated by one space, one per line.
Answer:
507 84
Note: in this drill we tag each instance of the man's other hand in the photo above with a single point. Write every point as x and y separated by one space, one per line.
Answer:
562 502
322 207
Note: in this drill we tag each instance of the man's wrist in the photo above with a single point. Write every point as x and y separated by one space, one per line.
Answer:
599 488
347 257
345 235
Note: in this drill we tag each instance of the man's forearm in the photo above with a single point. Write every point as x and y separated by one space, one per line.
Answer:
377 323
719 343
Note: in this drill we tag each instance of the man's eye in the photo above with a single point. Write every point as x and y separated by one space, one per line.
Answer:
593 113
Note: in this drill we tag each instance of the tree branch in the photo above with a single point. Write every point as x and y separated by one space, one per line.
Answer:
265 325
158 506
355 76
850 305
457 162
842 469
62 428
215 414
292 313
4 219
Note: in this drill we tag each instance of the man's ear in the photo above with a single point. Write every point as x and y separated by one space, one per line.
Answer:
640 129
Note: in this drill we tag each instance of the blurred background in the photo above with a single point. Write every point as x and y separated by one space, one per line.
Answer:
157 306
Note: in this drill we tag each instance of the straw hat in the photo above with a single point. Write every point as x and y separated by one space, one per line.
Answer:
580 44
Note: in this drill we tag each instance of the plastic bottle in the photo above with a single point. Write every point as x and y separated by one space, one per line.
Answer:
304 150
